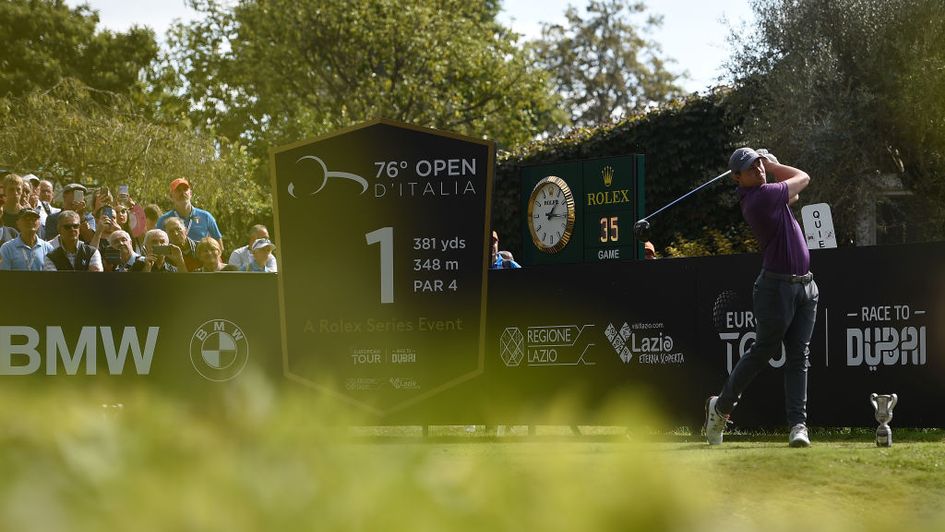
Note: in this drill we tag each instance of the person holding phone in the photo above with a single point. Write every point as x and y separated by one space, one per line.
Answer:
73 199
121 242
159 254
105 225
177 234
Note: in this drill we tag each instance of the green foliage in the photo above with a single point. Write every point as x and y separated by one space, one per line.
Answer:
276 71
685 142
72 133
713 242
849 90
250 458
603 66
44 41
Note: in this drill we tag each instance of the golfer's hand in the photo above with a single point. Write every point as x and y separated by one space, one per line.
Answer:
768 155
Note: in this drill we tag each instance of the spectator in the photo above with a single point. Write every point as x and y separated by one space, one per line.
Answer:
45 208
6 233
151 214
26 194
501 259
33 196
72 253
177 233
71 203
649 250
101 197
262 250
122 218
105 225
241 257
198 222
46 192
26 252
122 242
13 189
211 257
158 254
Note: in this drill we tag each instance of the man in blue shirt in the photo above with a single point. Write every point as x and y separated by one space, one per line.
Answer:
26 252
199 223
501 260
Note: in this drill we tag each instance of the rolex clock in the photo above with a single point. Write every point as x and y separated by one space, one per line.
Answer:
551 214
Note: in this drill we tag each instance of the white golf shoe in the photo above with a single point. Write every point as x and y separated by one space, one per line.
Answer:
714 422
799 437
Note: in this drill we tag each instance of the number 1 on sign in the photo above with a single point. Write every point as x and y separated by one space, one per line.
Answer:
385 236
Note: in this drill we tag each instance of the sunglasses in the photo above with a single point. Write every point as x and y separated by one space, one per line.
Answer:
70 226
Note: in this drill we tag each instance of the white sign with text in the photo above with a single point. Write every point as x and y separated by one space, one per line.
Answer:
818 226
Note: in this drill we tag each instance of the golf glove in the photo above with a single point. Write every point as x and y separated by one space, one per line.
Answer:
768 155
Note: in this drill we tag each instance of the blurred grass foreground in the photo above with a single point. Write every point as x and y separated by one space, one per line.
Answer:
77 460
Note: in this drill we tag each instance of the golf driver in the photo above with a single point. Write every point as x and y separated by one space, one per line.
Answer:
642 228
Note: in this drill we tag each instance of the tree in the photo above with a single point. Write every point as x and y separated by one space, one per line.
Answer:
72 133
274 71
851 91
603 66
44 41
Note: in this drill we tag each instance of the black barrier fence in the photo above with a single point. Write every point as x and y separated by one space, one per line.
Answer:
669 330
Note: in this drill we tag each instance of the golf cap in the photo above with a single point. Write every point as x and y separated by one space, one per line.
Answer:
180 181
30 178
263 243
26 213
74 186
741 159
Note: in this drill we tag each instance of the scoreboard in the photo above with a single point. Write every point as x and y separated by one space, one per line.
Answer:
603 196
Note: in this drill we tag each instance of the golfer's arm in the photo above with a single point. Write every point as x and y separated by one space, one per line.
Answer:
796 180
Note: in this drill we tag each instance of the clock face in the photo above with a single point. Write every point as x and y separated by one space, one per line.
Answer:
551 214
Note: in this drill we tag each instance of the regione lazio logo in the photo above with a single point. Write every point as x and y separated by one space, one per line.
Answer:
219 350
325 174
512 346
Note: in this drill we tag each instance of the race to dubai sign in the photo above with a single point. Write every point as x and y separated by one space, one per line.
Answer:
382 230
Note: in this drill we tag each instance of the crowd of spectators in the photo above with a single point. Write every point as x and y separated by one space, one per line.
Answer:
94 230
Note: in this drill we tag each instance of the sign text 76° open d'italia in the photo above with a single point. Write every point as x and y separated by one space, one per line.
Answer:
382 236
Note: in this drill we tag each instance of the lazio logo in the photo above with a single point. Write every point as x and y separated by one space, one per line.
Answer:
219 350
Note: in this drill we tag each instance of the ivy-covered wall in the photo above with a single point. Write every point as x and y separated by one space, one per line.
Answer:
686 144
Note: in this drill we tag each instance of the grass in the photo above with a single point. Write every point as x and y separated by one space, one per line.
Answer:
258 461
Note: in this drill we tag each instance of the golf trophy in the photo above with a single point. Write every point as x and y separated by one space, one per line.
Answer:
883 404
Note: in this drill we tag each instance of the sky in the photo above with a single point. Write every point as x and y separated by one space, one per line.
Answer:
694 32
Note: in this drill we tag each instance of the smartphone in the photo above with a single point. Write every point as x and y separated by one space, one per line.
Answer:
122 190
78 196
161 250
111 255
108 211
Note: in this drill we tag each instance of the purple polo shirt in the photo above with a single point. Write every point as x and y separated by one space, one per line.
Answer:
782 242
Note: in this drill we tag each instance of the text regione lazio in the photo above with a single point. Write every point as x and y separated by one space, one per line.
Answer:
386 301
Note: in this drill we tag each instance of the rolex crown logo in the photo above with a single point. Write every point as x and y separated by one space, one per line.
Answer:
608 174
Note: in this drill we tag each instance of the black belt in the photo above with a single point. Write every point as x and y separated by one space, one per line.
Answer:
801 279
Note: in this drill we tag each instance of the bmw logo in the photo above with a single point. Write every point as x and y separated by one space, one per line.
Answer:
219 350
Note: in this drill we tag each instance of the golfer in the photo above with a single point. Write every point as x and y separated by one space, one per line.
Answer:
785 295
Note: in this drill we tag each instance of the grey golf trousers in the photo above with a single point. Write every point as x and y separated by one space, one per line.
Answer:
785 312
